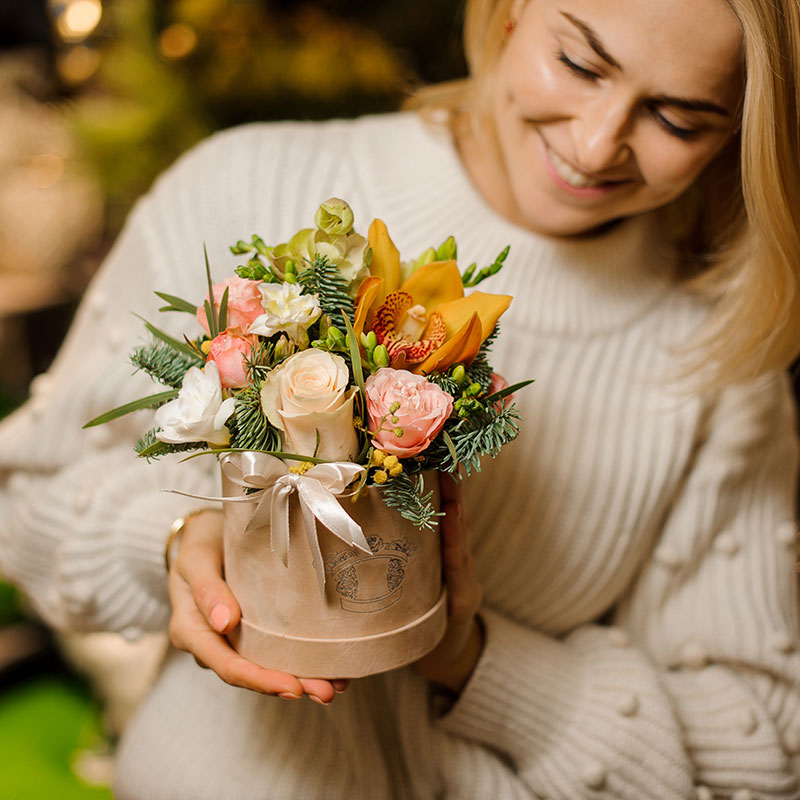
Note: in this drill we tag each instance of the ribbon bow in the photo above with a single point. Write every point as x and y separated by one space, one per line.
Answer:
316 491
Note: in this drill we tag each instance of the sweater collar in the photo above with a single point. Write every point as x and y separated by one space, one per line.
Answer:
576 285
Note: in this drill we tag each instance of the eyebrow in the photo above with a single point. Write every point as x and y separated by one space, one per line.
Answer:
593 40
685 103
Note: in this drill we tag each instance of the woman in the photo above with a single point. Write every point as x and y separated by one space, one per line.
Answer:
623 614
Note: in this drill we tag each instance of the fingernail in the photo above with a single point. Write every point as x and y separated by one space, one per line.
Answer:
219 617
289 696
318 700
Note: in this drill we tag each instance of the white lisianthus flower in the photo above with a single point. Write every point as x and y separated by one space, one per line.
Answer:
286 309
198 413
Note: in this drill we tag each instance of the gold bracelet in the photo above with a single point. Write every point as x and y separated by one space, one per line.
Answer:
175 531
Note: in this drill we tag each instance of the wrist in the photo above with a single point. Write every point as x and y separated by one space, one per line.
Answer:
458 673
176 531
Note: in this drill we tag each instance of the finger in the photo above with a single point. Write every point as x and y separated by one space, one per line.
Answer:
340 685
318 690
189 631
199 563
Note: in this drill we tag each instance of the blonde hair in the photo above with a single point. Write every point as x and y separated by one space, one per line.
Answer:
742 245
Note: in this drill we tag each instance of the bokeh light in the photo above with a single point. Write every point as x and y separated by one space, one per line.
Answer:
78 19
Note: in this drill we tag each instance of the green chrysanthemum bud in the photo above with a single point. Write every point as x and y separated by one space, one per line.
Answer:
459 374
240 248
260 245
381 356
334 217
447 250
425 258
336 336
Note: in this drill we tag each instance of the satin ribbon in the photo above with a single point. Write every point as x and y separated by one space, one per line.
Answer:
316 491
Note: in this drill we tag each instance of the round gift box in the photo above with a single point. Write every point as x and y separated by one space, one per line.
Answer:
378 611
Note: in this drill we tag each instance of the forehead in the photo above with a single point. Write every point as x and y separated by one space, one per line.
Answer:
686 46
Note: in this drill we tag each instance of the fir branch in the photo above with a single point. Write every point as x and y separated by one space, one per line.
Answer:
163 364
250 429
322 278
480 371
482 433
151 448
445 383
259 362
407 495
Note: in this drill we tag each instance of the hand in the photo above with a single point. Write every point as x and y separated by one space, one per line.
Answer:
452 661
204 609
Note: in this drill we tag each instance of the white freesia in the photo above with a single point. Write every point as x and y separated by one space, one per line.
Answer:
286 309
309 399
198 413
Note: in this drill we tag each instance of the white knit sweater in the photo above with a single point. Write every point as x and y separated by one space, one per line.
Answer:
635 544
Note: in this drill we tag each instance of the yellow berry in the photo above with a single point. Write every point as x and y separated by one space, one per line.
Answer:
377 458
390 462
380 477
396 470
206 346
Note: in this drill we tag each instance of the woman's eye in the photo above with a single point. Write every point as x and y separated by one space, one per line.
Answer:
685 134
576 69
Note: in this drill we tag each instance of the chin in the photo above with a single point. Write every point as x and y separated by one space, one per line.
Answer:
567 223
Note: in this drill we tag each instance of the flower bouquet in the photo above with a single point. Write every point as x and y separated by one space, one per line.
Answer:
333 382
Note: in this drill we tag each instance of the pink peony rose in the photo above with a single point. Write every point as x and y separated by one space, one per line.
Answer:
228 353
244 304
421 410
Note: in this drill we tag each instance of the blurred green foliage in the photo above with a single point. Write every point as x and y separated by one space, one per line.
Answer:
44 723
172 72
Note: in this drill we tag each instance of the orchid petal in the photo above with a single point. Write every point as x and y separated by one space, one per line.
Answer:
385 259
435 283
365 298
463 347
488 307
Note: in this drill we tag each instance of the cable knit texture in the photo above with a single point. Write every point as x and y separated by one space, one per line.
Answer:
635 543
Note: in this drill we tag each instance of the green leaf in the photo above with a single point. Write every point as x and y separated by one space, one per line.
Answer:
499 395
176 304
212 317
167 339
223 311
355 357
151 401
452 448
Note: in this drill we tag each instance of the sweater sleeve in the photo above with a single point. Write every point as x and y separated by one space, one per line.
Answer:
84 522
694 690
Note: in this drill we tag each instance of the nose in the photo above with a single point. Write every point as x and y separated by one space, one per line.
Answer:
602 134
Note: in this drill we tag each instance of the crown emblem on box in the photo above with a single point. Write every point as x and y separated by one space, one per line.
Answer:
366 584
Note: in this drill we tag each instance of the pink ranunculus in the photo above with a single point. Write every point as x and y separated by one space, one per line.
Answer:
497 384
421 411
244 304
228 352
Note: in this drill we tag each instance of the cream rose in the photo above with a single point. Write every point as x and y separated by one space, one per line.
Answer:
308 395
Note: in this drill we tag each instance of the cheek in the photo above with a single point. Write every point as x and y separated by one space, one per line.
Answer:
669 170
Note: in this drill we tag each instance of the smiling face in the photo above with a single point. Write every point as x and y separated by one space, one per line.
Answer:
608 108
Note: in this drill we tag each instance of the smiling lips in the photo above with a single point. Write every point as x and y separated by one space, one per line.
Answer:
575 179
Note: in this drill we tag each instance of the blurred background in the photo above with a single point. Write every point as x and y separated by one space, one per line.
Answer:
97 97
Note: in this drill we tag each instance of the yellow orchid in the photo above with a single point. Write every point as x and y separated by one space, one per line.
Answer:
426 321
